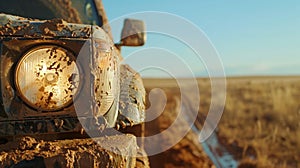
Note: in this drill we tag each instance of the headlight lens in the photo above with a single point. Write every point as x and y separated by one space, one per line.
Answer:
47 77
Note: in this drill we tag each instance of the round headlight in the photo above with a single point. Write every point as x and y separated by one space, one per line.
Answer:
47 77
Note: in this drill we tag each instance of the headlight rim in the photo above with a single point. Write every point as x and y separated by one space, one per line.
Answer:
26 54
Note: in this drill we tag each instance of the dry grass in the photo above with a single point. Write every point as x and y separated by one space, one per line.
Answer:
261 119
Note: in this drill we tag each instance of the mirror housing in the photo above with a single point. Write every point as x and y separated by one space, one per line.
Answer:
133 33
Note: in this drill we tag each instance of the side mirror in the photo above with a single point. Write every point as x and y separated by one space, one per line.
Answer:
133 33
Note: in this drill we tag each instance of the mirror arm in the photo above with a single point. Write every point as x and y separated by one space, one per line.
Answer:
119 45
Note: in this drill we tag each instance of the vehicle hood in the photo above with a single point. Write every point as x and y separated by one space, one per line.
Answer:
15 26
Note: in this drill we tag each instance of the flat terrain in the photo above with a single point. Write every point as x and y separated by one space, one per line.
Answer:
259 127
260 124
262 119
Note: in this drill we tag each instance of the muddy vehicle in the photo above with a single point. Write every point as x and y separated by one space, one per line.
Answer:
61 73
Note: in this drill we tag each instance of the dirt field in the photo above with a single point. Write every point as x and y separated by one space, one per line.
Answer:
260 124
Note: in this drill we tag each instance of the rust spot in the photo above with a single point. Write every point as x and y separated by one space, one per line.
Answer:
42 89
69 63
109 83
46 31
53 25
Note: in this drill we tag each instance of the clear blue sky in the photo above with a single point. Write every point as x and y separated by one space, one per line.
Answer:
252 37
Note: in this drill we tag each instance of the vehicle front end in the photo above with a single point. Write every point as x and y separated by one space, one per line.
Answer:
54 72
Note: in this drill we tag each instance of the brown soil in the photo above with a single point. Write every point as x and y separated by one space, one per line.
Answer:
100 152
186 153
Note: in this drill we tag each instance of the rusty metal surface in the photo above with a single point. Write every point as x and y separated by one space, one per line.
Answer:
15 26
20 33
41 125
106 78
104 71
21 39
132 98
